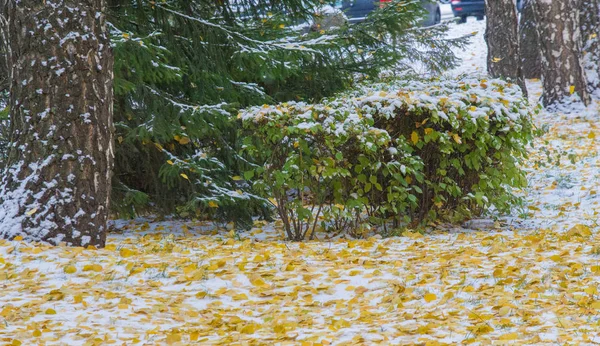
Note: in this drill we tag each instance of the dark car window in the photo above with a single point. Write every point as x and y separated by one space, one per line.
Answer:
357 8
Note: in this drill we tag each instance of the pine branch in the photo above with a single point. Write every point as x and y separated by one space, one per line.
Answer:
292 46
186 107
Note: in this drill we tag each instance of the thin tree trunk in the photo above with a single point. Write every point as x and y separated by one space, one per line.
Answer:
4 84
531 61
590 32
502 37
560 41
56 187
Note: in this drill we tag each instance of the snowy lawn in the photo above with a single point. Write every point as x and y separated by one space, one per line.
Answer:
529 279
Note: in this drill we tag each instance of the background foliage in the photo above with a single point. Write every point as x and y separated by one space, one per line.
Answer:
182 68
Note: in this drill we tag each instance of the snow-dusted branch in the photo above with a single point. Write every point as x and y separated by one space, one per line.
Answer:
290 45
186 107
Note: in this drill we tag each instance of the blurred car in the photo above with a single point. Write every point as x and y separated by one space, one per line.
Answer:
357 10
466 8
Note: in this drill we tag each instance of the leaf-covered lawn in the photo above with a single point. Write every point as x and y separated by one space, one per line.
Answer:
445 287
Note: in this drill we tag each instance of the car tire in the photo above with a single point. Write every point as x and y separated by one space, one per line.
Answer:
480 17
438 17
462 20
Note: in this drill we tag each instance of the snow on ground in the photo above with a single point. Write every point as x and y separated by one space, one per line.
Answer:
474 56
564 168
530 279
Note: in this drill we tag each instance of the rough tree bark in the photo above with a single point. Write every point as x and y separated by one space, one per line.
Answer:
502 37
4 85
531 61
3 71
56 186
560 42
590 32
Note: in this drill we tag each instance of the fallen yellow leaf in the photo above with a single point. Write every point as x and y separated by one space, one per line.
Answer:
429 297
70 269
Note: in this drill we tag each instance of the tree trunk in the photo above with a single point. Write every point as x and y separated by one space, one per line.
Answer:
590 32
4 84
560 42
3 71
531 61
56 187
502 37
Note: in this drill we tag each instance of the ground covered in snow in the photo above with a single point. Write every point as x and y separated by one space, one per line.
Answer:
529 279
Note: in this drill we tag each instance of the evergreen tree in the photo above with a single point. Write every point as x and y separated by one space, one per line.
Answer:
183 69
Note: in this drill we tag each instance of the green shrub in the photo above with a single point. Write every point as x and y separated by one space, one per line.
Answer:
390 154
